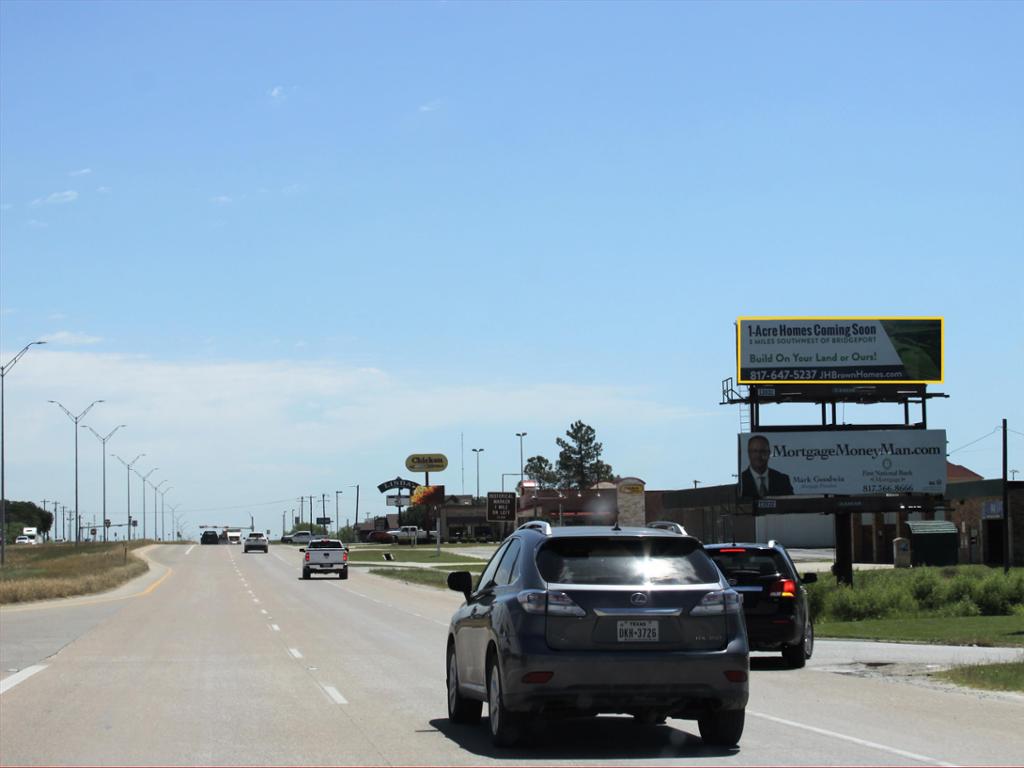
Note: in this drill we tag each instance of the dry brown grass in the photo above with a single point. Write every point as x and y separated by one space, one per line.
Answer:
63 570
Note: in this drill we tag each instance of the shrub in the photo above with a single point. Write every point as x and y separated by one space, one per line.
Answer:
994 596
926 590
817 596
965 607
958 589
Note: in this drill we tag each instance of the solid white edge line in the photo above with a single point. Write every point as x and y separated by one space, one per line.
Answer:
18 677
295 653
335 695
189 549
854 740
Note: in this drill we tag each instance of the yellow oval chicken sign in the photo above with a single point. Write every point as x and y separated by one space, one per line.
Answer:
427 462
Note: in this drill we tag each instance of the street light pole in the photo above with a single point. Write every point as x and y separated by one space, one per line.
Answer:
157 531
477 451
163 511
103 443
144 478
521 435
128 466
337 519
75 420
3 449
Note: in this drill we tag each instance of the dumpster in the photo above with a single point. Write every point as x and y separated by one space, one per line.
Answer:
933 542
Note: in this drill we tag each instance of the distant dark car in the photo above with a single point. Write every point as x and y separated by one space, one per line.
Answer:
584 620
380 537
209 537
774 597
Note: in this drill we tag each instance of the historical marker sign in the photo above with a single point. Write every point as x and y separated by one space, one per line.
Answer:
501 507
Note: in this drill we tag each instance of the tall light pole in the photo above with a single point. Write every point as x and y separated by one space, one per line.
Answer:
163 510
75 420
3 488
156 510
144 478
128 466
103 442
521 435
477 451
337 519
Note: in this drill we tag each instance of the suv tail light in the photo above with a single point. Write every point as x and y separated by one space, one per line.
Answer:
783 588
718 603
552 603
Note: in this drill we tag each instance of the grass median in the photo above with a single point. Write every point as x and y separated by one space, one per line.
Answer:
431 577
1008 676
48 571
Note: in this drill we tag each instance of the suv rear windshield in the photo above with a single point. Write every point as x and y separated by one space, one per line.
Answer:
329 544
735 561
593 560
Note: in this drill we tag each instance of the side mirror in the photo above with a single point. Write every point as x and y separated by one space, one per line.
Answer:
810 578
461 581
302 549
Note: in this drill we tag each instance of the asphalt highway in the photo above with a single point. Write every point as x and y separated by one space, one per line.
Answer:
220 658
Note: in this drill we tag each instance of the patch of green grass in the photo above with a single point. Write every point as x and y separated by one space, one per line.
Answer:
952 592
61 570
406 555
1008 676
966 630
425 576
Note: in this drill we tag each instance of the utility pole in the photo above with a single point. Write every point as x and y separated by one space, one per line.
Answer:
302 508
323 509
337 516
1007 552
53 524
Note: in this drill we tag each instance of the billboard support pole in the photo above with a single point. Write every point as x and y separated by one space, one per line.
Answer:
844 553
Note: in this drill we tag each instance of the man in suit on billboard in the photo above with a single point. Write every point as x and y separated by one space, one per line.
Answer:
757 480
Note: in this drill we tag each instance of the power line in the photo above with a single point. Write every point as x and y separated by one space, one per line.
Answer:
987 434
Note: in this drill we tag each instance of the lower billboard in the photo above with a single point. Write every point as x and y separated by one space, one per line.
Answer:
842 463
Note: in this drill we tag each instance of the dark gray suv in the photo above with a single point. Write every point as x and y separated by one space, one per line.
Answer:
587 620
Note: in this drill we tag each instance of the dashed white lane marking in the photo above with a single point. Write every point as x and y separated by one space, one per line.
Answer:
263 611
295 653
189 549
335 695
255 599
18 677
854 740
275 627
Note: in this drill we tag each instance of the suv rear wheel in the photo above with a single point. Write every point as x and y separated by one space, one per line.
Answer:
505 729
460 709
797 655
722 729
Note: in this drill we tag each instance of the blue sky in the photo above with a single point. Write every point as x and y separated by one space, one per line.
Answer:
292 243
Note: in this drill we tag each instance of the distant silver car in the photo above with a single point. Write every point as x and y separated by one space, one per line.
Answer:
256 540
25 540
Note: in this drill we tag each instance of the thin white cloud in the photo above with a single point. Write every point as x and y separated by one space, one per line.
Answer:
57 198
220 200
71 338
80 172
277 93
103 190
431 106
36 224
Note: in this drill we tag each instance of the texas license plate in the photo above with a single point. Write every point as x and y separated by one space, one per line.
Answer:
637 631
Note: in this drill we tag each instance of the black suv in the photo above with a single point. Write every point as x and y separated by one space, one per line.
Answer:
209 537
774 597
586 620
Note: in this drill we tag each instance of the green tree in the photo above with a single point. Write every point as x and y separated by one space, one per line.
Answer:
579 461
541 470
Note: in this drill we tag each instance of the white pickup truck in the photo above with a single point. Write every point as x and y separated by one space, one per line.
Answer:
409 534
324 556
